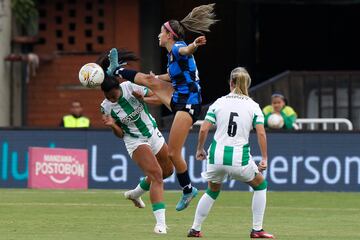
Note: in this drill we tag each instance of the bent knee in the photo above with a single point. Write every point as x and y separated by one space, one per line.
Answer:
168 172
156 175
261 186
174 154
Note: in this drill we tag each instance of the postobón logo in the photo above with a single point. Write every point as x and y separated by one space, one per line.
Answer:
60 168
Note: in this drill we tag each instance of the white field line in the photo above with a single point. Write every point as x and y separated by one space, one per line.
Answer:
130 205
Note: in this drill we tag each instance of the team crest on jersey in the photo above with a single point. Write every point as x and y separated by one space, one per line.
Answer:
133 101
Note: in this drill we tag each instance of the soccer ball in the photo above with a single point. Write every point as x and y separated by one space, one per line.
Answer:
91 75
275 121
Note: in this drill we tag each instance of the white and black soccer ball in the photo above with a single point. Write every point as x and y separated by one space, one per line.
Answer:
91 75
275 121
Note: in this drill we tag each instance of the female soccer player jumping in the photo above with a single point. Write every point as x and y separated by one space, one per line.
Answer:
229 154
129 119
179 88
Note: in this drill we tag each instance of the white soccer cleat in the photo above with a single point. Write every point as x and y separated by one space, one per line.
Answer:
160 229
138 202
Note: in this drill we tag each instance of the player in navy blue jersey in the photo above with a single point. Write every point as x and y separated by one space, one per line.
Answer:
179 88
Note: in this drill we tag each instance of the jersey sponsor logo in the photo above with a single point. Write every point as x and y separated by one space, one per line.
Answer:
132 117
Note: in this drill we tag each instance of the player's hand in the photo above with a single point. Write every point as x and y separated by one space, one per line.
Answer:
199 41
108 120
138 95
149 77
201 154
152 74
262 165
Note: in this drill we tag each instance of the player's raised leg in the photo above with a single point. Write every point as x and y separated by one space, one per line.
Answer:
162 89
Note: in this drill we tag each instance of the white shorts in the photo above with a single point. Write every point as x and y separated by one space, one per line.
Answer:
155 142
217 173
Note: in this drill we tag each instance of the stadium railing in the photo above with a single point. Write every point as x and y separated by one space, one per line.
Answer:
312 122
315 94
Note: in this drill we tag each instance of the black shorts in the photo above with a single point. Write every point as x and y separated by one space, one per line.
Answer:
193 109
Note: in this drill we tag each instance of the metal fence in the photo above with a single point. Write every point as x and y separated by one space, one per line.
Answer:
316 94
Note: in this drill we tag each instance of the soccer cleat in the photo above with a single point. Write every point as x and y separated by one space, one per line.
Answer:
138 202
193 233
114 62
260 234
160 229
186 199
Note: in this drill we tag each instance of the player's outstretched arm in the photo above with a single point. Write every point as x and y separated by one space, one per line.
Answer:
261 136
191 48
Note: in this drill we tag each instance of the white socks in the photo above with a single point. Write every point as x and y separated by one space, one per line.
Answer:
258 208
160 217
206 202
137 192
202 210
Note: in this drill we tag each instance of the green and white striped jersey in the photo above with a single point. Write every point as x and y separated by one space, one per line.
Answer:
235 116
130 113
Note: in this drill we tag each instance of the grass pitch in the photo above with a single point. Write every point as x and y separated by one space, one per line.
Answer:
102 214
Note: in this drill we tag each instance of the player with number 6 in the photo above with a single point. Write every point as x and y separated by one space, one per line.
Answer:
234 115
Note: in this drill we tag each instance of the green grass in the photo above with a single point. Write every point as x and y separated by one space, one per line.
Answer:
102 214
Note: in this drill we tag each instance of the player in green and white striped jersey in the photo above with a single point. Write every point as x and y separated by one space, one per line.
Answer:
129 119
234 115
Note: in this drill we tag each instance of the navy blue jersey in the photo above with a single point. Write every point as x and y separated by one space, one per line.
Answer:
184 76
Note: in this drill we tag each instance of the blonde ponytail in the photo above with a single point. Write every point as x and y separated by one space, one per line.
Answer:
241 81
198 20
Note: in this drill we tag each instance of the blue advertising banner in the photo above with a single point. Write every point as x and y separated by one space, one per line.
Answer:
298 161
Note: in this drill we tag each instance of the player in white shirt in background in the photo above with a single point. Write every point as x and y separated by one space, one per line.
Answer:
129 119
234 115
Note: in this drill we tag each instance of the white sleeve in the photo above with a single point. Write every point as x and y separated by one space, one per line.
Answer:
139 89
258 116
104 109
210 115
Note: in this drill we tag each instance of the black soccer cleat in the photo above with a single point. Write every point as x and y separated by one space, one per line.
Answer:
194 233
